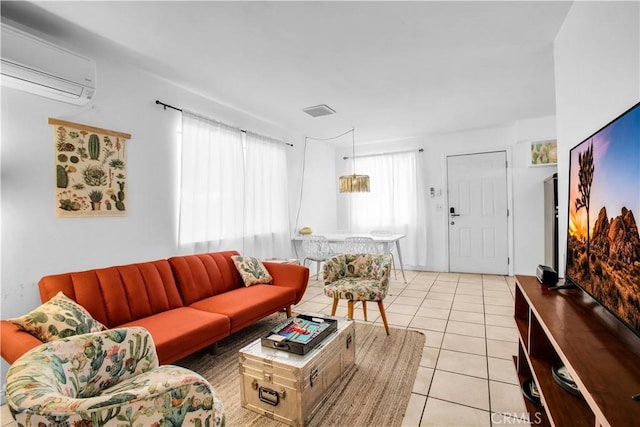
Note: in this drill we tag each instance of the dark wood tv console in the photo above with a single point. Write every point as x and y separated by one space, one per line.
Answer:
603 356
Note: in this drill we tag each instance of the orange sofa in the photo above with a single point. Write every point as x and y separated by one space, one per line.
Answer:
187 303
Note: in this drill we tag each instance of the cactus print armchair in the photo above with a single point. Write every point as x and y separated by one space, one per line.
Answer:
107 378
358 277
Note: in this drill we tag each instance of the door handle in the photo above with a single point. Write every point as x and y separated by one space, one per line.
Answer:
452 212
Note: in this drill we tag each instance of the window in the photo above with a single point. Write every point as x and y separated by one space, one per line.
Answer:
233 190
396 201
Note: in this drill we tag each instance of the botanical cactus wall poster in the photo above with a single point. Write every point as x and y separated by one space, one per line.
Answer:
90 170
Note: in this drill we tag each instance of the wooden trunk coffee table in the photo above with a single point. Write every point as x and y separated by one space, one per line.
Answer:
289 387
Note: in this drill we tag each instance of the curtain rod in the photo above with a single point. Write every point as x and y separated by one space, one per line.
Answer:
165 106
420 150
168 106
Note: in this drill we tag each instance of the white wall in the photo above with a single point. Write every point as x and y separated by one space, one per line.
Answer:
35 243
525 186
597 70
528 196
318 208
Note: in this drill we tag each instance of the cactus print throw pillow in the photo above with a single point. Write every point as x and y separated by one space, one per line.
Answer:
59 317
252 270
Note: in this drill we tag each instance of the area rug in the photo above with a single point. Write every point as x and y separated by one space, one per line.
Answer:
374 393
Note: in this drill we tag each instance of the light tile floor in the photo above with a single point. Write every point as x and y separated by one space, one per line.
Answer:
467 376
5 417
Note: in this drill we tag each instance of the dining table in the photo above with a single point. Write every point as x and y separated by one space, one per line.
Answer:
387 242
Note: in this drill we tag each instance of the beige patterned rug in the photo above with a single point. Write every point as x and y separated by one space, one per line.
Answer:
374 393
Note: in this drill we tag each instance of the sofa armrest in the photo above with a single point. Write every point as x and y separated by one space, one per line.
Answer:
384 270
166 395
290 276
14 342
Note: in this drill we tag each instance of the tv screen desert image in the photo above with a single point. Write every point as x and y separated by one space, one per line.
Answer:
603 245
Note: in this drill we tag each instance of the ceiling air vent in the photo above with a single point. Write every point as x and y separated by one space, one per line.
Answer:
319 110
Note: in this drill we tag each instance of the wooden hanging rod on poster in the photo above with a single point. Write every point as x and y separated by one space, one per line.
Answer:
90 128
165 106
420 150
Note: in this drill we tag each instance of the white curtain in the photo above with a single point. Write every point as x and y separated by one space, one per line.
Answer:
396 202
266 198
232 197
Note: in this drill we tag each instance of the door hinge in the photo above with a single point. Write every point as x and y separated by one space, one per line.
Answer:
507 212
508 260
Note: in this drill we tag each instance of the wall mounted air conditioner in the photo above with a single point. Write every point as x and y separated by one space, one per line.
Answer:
37 66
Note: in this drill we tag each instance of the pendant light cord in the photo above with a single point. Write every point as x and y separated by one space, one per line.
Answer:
353 149
353 143
304 162
331 137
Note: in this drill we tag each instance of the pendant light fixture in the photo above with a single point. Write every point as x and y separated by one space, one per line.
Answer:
354 183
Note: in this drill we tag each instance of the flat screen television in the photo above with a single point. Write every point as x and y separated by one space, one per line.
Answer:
603 245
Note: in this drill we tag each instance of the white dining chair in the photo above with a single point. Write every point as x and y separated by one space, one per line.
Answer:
383 233
361 245
316 248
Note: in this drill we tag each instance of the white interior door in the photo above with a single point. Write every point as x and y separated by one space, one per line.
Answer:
478 223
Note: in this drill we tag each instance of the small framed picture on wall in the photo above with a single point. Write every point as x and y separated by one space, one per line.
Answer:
543 153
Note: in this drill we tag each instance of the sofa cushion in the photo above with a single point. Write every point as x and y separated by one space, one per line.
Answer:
251 270
60 317
180 332
120 294
247 305
204 275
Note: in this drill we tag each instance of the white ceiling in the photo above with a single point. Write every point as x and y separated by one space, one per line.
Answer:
391 69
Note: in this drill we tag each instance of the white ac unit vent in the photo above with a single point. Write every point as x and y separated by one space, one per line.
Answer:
37 66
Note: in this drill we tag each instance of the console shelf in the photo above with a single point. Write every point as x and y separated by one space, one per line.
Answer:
568 327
